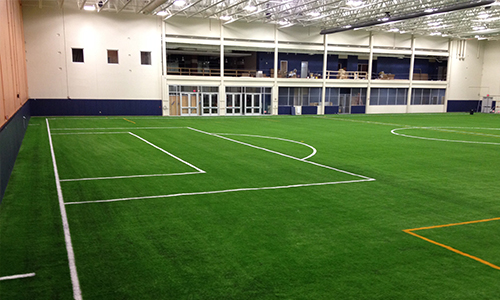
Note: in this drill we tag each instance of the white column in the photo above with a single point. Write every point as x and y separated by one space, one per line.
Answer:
370 70
165 99
448 74
222 86
275 89
412 64
321 107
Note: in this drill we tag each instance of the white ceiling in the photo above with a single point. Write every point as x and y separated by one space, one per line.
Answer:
481 22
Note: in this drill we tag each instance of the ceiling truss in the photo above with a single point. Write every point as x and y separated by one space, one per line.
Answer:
482 22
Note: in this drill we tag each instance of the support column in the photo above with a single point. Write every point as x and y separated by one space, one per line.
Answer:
321 107
448 74
275 89
165 99
412 65
222 86
370 70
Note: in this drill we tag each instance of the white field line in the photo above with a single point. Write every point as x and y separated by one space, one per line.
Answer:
460 131
73 133
17 276
166 152
282 154
114 118
77 293
275 138
361 121
221 191
131 176
112 128
436 139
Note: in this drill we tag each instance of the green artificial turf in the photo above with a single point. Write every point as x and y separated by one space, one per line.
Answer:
240 231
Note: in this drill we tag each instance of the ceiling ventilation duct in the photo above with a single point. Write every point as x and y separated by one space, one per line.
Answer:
388 18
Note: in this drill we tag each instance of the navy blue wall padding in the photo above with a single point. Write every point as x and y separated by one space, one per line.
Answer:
69 107
309 110
358 109
284 110
265 62
463 105
11 137
330 110
315 61
393 65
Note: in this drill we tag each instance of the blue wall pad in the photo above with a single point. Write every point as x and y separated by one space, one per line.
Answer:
330 110
69 107
463 105
11 137
284 110
309 110
358 109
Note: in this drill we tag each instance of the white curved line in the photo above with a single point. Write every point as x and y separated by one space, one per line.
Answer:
275 138
443 140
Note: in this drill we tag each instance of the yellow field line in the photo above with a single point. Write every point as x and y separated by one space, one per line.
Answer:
453 224
129 121
410 231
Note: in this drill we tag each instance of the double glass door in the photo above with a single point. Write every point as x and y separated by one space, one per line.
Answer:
344 104
210 104
252 104
189 104
234 104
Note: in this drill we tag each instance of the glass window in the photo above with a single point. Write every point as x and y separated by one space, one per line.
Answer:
77 54
145 58
112 56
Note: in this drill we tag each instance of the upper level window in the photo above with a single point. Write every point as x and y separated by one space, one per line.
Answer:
145 58
112 56
77 54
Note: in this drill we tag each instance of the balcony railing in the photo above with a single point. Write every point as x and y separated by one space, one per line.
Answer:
346 75
213 72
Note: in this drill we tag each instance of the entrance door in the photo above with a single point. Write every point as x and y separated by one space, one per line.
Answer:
233 105
174 105
344 104
210 104
252 104
189 104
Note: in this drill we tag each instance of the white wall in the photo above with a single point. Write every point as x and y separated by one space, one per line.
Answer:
490 82
51 34
465 75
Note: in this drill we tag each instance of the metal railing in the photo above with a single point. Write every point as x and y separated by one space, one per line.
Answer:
346 74
211 72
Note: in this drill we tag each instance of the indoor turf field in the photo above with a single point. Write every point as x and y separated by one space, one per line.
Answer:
274 207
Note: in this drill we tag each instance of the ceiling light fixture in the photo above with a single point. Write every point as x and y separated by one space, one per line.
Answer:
434 24
180 3
409 16
314 14
250 8
89 7
162 13
483 15
225 18
354 3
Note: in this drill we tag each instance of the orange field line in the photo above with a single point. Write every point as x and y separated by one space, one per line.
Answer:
453 224
129 121
410 231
